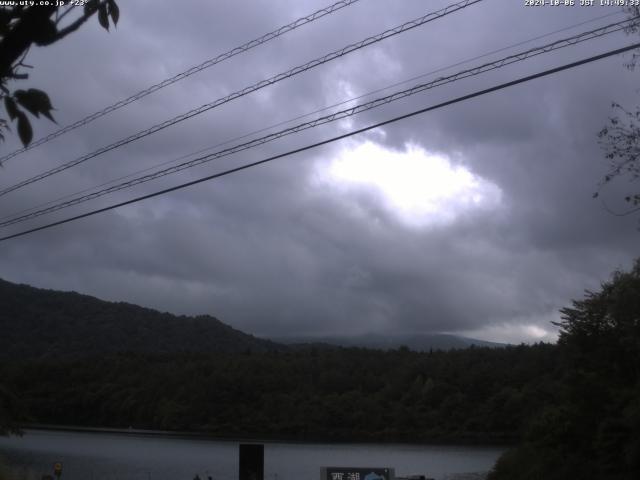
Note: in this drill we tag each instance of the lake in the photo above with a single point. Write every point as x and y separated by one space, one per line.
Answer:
117 456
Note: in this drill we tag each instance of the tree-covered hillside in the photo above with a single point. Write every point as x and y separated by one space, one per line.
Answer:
37 323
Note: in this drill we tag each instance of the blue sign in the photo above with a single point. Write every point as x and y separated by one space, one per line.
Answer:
356 473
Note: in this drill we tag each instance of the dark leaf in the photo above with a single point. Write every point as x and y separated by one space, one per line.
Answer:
42 101
103 16
5 16
90 7
25 99
46 32
4 26
596 195
114 11
35 101
11 107
49 116
24 129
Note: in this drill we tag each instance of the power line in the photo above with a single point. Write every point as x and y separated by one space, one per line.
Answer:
250 89
509 60
180 76
330 140
299 117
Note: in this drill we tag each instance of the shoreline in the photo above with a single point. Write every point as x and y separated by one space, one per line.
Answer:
194 435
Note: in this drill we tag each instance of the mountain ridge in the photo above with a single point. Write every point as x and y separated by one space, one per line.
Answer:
39 323
422 342
45 323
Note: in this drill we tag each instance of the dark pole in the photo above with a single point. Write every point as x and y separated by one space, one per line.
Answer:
251 462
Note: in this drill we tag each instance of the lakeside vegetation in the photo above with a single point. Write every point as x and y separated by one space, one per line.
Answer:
4 471
592 430
474 395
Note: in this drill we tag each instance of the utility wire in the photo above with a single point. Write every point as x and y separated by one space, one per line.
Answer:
331 140
511 59
198 68
299 117
250 89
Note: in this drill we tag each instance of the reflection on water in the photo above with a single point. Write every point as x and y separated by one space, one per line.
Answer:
110 456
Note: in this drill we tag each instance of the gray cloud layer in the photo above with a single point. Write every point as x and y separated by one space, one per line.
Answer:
274 251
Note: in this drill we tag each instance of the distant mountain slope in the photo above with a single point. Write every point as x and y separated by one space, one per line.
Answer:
418 343
37 323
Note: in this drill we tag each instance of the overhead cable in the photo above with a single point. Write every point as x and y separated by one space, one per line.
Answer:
330 140
509 60
300 117
250 89
180 76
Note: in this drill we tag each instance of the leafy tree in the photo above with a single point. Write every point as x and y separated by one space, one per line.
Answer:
621 142
23 26
593 430
603 329
620 139
11 412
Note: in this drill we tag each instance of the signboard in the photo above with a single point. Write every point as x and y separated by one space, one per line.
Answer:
251 461
357 473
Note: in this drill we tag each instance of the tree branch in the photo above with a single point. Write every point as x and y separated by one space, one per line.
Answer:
20 38
72 27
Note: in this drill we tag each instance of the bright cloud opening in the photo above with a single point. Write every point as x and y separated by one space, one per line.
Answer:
531 329
420 187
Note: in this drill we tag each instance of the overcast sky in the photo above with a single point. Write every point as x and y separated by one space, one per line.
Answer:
474 219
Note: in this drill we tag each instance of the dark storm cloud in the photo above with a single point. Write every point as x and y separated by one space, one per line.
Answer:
274 250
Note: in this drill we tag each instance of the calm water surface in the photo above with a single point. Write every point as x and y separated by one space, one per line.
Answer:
111 456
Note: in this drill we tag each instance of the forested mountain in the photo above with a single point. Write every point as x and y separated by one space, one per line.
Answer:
47 323
38 323
417 342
